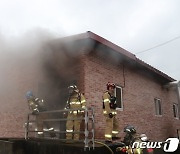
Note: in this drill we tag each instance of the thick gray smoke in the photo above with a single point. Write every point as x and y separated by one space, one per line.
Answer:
34 62
20 66
61 67
39 62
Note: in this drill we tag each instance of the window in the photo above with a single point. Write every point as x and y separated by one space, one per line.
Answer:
118 94
158 108
175 110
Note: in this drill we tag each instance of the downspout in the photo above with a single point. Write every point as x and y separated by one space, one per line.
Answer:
178 95
177 86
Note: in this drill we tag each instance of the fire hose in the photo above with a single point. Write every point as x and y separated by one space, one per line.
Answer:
98 142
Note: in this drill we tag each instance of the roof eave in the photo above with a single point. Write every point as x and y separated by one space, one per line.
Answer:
118 49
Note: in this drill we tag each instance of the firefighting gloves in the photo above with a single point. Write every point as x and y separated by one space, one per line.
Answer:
67 106
110 115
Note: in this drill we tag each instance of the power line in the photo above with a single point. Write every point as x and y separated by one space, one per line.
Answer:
159 45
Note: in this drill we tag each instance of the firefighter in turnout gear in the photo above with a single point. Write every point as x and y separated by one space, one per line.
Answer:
109 111
37 105
131 137
77 101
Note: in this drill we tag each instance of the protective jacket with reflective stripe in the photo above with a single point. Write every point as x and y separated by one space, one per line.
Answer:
76 101
106 101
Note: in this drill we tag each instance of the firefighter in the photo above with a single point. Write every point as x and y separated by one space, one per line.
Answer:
131 137
109 111
37 105
77 101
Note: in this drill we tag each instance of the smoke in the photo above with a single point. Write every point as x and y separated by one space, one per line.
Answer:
34 62
40 62
61 67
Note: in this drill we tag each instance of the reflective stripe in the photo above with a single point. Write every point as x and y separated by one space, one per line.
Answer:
106 100
75 102
105 112
32 103
115 132
114 113
40 133
76 112
83 101
36 99
108 135
36 110
69 130
51 129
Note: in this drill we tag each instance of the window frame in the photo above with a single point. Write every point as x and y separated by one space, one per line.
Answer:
118 108
159 107
177 111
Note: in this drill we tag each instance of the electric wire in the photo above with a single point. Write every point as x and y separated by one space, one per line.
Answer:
178 37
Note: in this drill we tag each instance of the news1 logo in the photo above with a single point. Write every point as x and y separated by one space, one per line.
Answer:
171 144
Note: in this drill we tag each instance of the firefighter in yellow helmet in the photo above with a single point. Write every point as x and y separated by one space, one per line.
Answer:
109 111
77 101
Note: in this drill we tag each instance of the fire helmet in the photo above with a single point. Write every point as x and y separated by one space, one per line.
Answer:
109 84
29 95
72 88
130 129
143 137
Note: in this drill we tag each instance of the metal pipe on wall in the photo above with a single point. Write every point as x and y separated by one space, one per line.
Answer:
178 95
175 85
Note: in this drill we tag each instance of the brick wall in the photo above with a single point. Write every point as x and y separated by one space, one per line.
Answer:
91 74
18 74
138 98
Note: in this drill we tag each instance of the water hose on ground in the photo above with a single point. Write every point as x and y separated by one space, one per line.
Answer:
98 142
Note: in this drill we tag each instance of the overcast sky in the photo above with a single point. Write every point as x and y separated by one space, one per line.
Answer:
134 25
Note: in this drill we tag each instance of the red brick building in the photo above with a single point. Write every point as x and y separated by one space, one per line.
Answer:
145 97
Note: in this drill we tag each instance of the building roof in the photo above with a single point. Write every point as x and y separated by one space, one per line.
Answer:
123 52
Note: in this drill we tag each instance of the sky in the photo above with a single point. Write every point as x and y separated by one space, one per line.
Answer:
135 25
